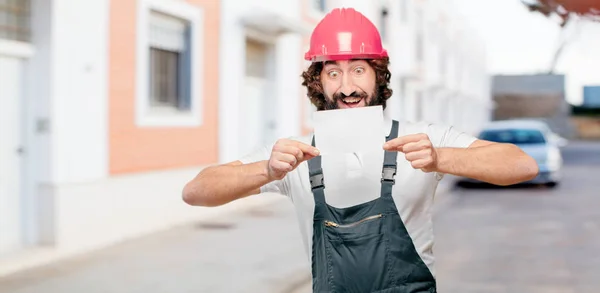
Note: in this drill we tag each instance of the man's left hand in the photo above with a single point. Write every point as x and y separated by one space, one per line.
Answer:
417 149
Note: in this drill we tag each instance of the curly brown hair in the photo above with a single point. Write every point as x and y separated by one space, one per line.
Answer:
312 81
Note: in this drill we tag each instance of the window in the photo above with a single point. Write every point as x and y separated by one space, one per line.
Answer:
383 25
419 46
319 5
442 60
317 8
169 72
514 136
419 37
309 110
419 115
403 11
169 62
15 20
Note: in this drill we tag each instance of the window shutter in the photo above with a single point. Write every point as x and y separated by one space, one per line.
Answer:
167 32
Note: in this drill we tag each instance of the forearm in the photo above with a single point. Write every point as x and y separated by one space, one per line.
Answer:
499 164
218 185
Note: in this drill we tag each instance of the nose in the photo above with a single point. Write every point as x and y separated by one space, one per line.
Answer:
347 87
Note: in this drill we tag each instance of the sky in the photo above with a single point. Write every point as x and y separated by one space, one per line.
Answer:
521 42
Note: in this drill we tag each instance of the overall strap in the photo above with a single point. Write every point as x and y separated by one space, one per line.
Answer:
389 164
317 183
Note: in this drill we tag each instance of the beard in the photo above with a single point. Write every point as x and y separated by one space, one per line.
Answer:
374 100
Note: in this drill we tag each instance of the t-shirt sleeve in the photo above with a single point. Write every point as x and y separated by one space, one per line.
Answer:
262 154
450 137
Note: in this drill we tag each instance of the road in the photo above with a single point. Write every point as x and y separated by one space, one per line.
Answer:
488 240
525 239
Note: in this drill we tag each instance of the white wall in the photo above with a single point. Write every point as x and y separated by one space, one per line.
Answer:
78 91
288 66
231 59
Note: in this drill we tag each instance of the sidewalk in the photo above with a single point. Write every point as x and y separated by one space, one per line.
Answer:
253 250
257 249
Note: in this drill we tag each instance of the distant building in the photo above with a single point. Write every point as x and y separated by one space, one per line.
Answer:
591 97
540 96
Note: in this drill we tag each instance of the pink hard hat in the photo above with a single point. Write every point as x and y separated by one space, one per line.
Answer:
343 34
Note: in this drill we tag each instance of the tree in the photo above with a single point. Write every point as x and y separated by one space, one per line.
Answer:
568 11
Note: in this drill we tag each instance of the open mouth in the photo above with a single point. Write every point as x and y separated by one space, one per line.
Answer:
351 100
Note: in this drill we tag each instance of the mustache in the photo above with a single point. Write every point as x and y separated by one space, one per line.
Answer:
339 96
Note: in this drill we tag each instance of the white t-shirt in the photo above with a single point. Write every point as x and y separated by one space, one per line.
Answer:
413 191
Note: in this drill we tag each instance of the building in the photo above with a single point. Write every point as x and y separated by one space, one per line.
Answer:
537 96
529 96
591 96
103 122
108 107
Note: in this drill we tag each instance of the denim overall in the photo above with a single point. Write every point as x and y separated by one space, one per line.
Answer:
364 248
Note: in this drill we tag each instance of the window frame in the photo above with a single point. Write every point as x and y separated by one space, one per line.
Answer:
315 12
384 19
27 31
151 116
16 49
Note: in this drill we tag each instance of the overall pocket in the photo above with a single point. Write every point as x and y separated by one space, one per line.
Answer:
357 254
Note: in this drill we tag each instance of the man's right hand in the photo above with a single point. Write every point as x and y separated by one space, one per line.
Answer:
286 155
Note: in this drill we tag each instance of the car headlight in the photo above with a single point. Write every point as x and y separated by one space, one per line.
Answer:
553 159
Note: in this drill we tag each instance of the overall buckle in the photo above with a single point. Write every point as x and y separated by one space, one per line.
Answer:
316 181
388 173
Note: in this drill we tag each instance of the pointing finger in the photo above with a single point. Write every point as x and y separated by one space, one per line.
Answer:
396 143
305 148
415 146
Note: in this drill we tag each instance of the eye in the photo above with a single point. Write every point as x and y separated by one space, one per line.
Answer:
359 70
333 74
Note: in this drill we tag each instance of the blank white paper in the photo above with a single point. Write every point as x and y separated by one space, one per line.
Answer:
351 145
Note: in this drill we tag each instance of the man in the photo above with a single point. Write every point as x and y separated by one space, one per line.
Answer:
362 242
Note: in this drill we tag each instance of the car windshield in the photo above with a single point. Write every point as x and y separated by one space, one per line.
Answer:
514 136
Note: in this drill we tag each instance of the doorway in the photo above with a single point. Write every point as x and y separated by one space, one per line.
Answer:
257 102
11 154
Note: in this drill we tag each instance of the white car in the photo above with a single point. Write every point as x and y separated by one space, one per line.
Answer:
533 137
